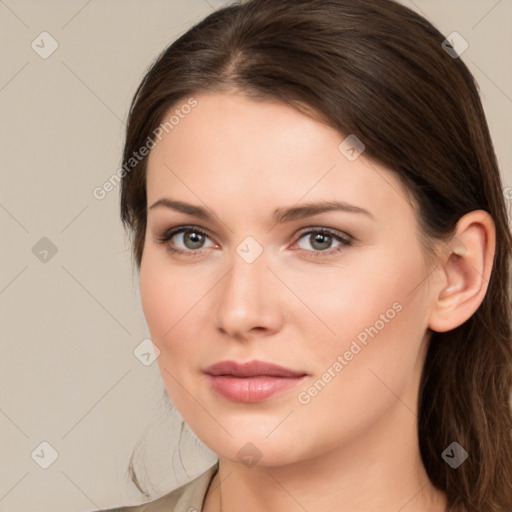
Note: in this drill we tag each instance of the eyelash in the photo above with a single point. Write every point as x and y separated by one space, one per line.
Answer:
346 240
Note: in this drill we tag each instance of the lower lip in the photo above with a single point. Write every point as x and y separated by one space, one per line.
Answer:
251 389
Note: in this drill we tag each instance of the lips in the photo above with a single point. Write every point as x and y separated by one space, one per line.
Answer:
251 369
251 382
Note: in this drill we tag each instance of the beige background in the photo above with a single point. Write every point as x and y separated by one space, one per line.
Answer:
70 324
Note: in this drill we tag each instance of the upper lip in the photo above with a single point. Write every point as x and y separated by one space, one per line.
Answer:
251 369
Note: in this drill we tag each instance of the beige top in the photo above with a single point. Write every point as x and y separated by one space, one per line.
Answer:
187 498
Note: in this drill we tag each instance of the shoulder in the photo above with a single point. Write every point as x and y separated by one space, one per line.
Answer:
187 498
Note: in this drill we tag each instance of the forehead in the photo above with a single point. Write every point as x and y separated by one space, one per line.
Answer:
229 149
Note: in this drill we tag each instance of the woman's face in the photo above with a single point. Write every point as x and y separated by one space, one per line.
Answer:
338 296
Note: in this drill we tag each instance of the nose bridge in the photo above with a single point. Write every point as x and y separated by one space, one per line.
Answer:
247 297
244 284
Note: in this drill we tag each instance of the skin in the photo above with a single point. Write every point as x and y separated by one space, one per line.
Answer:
353 446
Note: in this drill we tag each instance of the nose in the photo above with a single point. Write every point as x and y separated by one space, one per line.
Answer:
249 300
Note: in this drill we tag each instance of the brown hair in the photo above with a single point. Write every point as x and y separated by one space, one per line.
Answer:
376 69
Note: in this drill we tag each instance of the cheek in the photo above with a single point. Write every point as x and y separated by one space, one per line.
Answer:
345 301
165 307
375 315
155 301
164 302
174 308
360 375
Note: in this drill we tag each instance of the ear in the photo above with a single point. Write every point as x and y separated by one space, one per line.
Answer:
465 269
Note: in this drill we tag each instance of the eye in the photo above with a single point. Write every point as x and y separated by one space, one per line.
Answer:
192 237
321 240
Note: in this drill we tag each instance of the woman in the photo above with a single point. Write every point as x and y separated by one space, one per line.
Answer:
324 255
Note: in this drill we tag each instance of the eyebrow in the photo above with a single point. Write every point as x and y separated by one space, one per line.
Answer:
280 215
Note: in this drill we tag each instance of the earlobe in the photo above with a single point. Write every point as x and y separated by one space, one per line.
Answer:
466 267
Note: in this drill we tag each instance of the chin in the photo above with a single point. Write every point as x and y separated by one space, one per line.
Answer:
251 447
